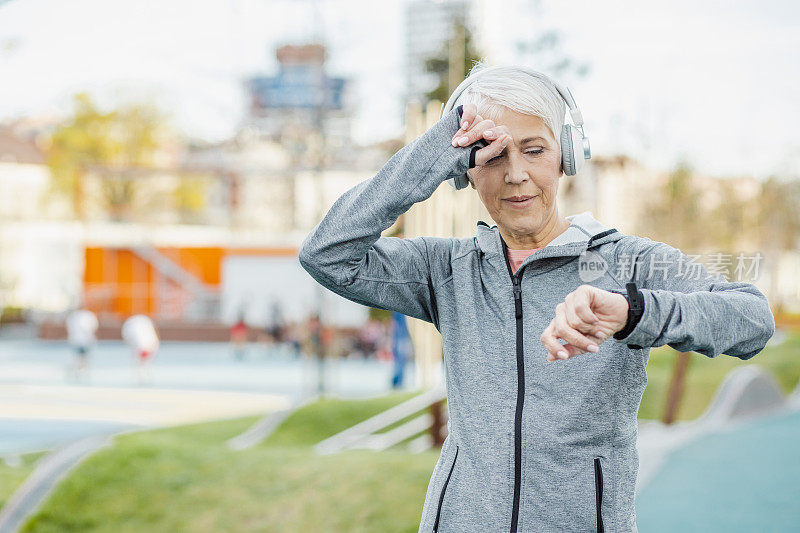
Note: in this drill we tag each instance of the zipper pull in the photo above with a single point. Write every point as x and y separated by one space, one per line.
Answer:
517 298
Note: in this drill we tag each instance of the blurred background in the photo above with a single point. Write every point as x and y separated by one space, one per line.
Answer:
166 363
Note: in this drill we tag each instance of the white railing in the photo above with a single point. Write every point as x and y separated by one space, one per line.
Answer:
365 434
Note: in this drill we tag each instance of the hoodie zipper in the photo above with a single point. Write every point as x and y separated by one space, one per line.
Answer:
441 496
520 401
598 491
516 281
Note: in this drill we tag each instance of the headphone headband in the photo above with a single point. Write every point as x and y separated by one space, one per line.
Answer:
566 94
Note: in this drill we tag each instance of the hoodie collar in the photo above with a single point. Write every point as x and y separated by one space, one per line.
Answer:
575 239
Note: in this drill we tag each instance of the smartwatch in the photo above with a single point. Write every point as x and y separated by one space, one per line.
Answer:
635 300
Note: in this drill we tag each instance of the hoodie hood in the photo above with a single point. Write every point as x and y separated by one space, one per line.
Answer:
583 232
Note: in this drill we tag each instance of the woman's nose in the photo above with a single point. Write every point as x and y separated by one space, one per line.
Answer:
516 173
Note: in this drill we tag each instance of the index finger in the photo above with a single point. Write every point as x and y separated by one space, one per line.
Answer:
494 149
468 114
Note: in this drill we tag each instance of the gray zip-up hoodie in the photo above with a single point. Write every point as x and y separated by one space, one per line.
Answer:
532 445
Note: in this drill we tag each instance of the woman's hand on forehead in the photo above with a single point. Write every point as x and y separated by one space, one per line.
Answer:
474 127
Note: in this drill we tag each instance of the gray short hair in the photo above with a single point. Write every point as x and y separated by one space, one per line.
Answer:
510 86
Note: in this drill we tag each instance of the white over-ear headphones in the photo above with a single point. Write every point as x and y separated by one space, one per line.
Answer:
572 137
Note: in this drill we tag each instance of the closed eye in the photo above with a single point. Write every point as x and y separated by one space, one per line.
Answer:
503 153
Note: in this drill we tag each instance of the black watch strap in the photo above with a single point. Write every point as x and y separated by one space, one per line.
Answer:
635 310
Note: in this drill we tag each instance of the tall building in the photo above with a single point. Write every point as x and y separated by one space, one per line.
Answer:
301 95
292 156
428 27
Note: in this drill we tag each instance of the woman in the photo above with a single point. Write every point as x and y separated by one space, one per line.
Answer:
140 334
82 328
542 436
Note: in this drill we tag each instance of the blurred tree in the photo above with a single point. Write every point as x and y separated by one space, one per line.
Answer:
453 50
779 215
190 196
542 49
545 52
106 145
778 226
730 222
674 215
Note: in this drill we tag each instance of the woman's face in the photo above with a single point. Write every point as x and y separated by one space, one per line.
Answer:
530 165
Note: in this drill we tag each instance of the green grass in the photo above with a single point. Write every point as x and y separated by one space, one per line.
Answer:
330 416
185 479
11 477
705 375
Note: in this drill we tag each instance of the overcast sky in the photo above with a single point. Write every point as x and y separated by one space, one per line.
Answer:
712 82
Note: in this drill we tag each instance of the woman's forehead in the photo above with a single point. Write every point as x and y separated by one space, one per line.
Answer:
524 128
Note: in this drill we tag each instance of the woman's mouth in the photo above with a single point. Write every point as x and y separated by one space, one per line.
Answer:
519 202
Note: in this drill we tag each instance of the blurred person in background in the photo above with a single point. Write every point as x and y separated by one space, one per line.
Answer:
544 353
402 348
140 335
276 323
327 338
369 337
313 335
239 332
82 335
293 338
384 349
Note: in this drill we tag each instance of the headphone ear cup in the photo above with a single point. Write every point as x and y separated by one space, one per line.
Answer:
578 158
458 182
567 151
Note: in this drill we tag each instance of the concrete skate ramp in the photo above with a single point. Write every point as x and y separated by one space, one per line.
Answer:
746 392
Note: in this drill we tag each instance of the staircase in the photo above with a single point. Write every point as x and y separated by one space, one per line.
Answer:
204 301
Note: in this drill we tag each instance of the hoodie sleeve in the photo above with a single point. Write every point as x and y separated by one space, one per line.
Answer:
692 310
345 251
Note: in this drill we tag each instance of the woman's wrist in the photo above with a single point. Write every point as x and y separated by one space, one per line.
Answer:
635 301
